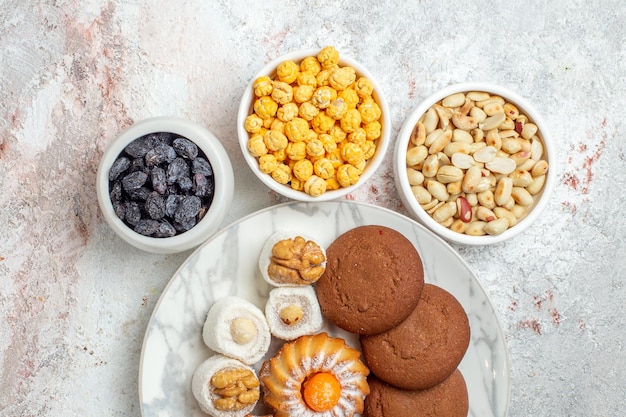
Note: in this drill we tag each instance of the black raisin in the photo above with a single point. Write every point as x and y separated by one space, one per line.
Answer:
171 204
138 164
201 166
202 187
132 215
159 154
120 166
188 208
185 225
159 182
185 148
155 206
147 227
134 180
115 191
140 194
177 170
119 209
185 184
140 146
165 230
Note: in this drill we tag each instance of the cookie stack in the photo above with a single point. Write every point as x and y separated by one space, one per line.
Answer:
413 334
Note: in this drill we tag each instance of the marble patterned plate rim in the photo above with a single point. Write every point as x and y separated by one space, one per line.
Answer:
165 373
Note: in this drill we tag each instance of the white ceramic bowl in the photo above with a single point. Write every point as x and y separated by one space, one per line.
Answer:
404 188
245 109
223 176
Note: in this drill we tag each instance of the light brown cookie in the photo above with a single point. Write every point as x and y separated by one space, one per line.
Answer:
447 399
372 282
425 348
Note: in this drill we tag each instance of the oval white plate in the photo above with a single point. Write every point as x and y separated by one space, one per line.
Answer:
227 265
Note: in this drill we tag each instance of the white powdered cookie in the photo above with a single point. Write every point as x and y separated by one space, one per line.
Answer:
237 328
292 312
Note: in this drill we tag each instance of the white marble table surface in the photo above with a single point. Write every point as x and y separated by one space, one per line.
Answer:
75 299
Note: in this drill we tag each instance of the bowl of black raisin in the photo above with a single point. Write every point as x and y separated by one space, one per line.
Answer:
165 184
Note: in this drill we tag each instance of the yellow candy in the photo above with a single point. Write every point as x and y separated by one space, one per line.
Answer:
335 158
342 78
332 184
265 107
337 108
296 184
263 86
358 136
307 78
328 57
268 163
278 124
303 169
287 71
351 121
322 77
337 133
275 140
282 92
369 149
323 168
373 130
323 96
281 155
364 87
311 65
282 174
253 123
322 123
297 129
303 93
315 148
347 175
296 150
287 112
369 109
328 142
308 111
256 146
350 97
351 153
315 186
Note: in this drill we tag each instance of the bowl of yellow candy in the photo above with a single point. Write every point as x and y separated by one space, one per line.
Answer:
314 125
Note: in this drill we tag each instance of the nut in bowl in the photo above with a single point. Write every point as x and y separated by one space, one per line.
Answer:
313 125
475 164
165 184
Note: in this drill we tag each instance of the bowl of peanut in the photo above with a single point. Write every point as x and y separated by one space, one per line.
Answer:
314 125
474 164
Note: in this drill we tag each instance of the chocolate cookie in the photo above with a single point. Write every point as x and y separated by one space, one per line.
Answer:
426 347
372 282
447 399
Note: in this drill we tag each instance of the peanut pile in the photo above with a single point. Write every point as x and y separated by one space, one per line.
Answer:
314 125
475 163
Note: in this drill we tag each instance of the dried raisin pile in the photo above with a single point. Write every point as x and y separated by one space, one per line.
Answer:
161 185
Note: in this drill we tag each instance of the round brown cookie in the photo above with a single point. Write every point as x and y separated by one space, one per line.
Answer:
372 282
425 348
447 399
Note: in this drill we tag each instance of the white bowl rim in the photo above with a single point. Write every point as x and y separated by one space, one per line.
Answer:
372 165
224 183
402 182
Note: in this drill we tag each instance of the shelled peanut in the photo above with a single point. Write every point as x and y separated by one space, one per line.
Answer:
475 163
